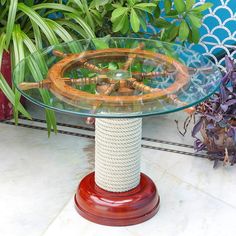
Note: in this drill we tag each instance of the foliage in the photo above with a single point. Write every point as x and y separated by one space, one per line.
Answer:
178 18
219 112
26 28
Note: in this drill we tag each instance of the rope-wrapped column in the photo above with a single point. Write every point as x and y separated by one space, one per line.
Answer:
118 153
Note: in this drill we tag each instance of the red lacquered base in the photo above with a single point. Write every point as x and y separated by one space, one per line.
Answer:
117 209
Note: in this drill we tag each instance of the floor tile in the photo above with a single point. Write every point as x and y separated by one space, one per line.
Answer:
70 223
219 182
187 211
184 211
38 176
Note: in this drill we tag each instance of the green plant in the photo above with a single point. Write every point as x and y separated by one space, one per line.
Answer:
25 28
180 19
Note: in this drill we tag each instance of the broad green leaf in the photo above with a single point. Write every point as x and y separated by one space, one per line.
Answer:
173 14
161 23
118 12
11 20
142 18
131 2
167 5
170 33
100 43
126 25
180 5
203 7
145 5
120 23
134 20
195 34
148 7
189 4
157 12
99 3
195 21
183 31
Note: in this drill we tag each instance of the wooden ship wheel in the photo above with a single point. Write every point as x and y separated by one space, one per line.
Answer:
114 88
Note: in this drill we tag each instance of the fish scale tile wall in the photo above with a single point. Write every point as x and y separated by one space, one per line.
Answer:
218 32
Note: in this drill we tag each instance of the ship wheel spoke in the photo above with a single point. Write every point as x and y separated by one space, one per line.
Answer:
86 80
83 62
45 84
92 67
149 75
107 92
131 57
133 83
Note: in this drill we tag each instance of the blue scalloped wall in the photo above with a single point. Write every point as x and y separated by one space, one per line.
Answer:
218 33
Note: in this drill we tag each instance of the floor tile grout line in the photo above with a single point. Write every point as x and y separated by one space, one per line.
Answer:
92 129
92 137
53 220
199 189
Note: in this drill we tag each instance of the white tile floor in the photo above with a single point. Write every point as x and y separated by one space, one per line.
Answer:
38 178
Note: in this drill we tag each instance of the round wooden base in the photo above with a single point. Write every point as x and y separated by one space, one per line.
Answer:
117 209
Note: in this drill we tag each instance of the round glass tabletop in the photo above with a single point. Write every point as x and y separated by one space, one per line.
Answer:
116 77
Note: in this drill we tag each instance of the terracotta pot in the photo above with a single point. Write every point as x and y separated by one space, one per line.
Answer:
6 108
219 144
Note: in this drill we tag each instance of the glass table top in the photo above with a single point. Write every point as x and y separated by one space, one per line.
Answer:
116 77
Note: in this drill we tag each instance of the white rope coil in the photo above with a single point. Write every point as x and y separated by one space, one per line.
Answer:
118 153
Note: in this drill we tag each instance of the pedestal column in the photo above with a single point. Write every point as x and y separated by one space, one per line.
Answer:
117 193
118 154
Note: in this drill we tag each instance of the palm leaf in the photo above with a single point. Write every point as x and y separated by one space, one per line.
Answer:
37 35
37 66
82 23
11 20
74 27
19 55
2 46
4 86
59 30
37 73
34 16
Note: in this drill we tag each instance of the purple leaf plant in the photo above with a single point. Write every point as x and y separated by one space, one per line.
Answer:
216 118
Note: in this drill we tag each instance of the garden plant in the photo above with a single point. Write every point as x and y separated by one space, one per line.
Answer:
30 25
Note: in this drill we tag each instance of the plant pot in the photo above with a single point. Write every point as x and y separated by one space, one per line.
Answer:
6 108
217 140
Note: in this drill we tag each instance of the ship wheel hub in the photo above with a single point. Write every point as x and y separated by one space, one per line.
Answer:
118 75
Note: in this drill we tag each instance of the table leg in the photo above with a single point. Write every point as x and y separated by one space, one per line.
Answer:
117 194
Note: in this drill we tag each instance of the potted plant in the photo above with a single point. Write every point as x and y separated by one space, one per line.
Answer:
25 26
172 19
216 120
